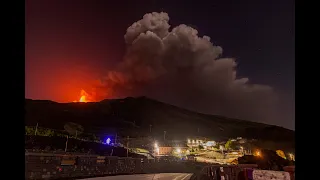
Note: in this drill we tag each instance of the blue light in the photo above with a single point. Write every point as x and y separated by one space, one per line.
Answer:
108 141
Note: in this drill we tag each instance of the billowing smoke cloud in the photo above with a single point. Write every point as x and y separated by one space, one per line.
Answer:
179 67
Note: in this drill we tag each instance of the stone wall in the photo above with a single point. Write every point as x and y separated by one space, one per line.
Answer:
53 166
56 166
43 166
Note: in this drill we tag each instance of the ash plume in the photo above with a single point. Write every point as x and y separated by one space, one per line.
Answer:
179 67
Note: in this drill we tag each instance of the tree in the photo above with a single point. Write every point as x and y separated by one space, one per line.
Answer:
73 128
29 130
281 154
230 145
217 146
201 147
46 132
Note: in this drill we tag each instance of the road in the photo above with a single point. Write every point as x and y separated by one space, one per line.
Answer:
214 161
208 160
161 176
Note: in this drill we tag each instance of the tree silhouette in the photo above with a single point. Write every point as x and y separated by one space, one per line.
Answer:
73 128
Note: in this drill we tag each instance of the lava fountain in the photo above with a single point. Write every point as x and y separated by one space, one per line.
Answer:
84 97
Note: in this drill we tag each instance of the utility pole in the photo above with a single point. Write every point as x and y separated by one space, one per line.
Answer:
115 140
164 135
65 149
198 130
127 146
35 132
76 134
150 126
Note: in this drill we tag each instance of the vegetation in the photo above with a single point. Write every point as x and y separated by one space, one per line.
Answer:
40 131
217 146
58 144
281 154
73 128
140 150
201 147
230 145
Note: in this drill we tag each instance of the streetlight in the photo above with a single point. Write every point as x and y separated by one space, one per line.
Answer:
221 148
108 141
156 148
258 153
291 156
178 150
241 148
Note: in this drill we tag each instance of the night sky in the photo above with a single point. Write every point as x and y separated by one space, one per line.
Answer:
69 45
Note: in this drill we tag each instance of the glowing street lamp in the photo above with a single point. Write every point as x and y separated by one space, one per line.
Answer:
178 150
156 148
258 153
187 152
108 141
291 157
221 148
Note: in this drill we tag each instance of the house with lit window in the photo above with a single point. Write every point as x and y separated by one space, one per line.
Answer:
170 148
195 142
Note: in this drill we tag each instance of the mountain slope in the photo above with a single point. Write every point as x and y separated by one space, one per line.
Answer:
133 116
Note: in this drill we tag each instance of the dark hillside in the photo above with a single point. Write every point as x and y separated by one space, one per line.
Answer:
133 116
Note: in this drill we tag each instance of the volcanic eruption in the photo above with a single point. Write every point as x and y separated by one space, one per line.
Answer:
179 67
85 97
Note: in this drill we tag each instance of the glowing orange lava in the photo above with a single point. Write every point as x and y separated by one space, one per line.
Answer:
84 97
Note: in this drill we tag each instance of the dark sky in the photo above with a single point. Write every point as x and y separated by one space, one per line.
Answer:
70 43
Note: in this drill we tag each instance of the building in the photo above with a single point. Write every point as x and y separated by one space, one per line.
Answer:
196 141
165 150
170 148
